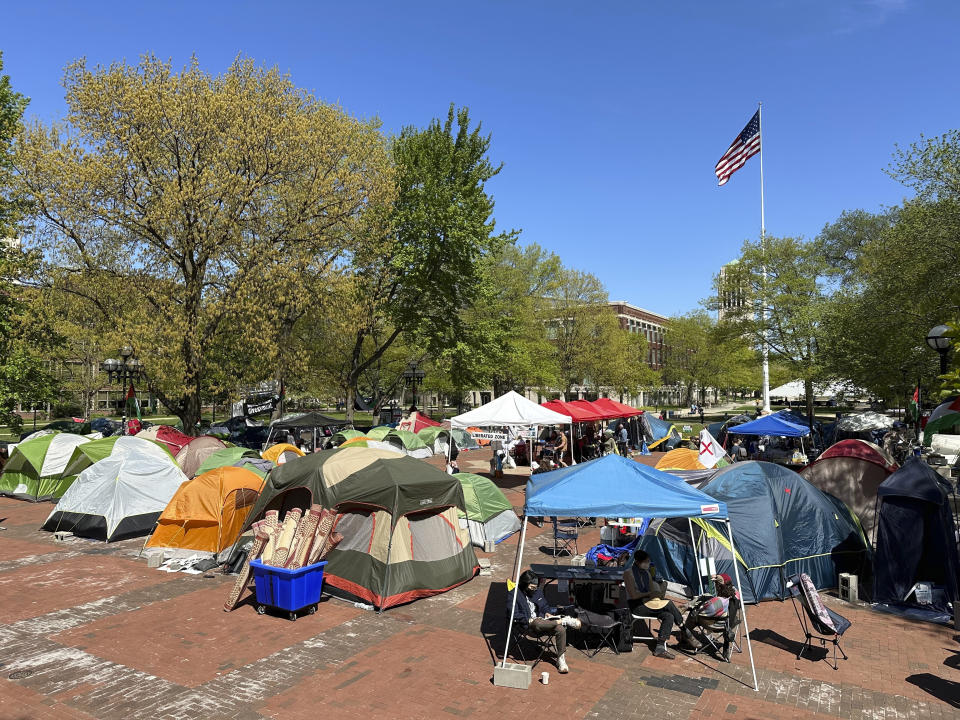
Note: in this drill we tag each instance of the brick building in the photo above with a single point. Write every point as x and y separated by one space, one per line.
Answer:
650 324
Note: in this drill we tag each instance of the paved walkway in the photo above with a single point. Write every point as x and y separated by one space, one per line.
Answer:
88 631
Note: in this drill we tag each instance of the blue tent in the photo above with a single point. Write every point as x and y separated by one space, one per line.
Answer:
784 525
771 425
614 486
659 434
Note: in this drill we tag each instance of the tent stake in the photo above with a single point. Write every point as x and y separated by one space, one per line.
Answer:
516 586
743 605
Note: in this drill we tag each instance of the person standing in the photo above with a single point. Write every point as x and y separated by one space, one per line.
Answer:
622 439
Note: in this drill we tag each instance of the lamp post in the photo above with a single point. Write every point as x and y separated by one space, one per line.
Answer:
938 340
413 377
123 371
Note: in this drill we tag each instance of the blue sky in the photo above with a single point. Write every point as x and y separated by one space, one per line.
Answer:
608 117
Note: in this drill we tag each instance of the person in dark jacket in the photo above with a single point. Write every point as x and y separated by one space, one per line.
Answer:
533 614
646 597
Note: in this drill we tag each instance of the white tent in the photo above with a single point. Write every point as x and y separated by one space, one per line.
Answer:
120 496
794 390
510 410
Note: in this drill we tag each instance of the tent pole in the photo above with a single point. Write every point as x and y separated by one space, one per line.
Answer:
696 555
743 605
573 460
516 586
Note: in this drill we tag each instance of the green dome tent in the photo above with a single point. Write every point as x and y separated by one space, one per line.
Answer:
490 516
379 432
435 438
398 518
341 437
223 458
409 443
35 466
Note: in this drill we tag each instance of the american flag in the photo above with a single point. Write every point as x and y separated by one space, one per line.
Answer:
743 148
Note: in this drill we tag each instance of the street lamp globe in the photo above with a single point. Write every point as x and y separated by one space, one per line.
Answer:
937 338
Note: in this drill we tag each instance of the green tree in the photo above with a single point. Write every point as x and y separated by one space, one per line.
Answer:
198 212
24 378
784 283
422 276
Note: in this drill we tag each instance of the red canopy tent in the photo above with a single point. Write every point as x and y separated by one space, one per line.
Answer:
596 412
577 413
622 410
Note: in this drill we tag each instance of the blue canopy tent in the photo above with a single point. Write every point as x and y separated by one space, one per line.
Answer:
615 486
771 425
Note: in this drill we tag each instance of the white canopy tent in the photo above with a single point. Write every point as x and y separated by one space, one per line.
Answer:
794 390
512 410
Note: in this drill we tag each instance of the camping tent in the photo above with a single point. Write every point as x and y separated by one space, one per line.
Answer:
192 456
398 518
35 466
255 465
379 432
490 516
784 524
364 441
659 434
436 438
225 457
409 443
916 537
281 452
852 470
772 425
866 426
92 452
121 496
614 486
944 417
206 513
415 422
341 437
169 436
680 459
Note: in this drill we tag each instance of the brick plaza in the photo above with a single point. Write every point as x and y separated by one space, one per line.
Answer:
88 631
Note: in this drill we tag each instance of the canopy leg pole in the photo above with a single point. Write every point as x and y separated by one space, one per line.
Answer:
743 605
573 460
696 555
516 586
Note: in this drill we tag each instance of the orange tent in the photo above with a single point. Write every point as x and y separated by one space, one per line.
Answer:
274 452
207 513
680 459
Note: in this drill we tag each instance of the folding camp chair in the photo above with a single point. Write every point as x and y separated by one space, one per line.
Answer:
827 625
606 628
641 616
564 538
719 635
537 644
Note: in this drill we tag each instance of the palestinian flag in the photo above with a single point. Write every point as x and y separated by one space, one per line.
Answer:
914 405
133 405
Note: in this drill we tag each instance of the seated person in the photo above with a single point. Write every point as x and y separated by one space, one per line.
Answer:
646 597
532 613
609 446
707 609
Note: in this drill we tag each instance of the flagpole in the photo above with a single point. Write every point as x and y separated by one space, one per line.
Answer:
763 307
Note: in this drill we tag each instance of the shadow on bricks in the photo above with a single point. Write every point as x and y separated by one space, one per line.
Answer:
946 691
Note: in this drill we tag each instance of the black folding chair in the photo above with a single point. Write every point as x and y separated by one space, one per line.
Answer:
817 620
537 645
564 538
604 627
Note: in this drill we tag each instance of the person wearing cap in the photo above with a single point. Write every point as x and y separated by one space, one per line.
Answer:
532 613
646 596
710 608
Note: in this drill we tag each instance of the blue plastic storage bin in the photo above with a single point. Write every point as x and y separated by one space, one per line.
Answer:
289 590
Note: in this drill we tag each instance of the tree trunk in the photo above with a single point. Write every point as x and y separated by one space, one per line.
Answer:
808 390
351 398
